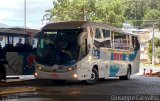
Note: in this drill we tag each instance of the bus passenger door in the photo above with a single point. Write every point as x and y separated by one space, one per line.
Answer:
83 57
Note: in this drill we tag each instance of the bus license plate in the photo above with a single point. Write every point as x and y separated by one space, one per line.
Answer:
54 75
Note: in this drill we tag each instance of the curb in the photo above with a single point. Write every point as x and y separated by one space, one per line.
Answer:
17 90
11 82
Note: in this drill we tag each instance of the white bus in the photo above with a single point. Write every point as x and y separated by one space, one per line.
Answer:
82 50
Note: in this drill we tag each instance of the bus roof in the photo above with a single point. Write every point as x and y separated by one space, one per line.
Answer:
82 24
17 31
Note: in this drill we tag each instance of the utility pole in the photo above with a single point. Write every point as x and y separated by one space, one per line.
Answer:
135 25
25 14
153 45
136 15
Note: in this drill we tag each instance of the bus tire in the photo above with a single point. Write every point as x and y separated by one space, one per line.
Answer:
127 76
2 72
94 77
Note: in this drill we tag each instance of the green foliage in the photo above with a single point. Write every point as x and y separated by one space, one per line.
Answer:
140 12
157 42
150 50
106 11
113 12
152 14
157 48
135 10
158 53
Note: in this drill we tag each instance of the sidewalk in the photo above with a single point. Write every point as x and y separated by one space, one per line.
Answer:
21 77
155 69
18 79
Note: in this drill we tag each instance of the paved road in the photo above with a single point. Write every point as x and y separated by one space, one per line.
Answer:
138 85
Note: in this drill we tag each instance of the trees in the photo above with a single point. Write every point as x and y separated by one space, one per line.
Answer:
157 48
65 10
113 12
105 11
152 14
135 10
61 10
141 12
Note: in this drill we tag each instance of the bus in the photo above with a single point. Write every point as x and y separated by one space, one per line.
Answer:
88 51
17 59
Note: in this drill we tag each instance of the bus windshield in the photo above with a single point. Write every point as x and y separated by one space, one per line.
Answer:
58 47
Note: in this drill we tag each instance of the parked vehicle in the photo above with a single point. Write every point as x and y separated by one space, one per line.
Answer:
17 51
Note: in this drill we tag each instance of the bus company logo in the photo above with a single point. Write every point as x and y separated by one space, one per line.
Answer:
31 60
118 56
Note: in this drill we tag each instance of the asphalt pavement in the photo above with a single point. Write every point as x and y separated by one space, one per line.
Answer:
26 88
104 90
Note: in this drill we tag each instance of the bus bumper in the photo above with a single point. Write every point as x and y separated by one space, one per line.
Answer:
69 75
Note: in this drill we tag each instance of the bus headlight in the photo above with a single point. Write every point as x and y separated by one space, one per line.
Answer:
39 68
75 75
72 67
69 68
35 74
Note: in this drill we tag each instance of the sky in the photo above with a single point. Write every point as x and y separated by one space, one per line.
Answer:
12 12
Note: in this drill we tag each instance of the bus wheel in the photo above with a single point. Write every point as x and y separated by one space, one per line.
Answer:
127 76
2 72
94 77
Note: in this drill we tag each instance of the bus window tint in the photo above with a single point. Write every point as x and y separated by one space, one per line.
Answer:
98 33
34 42
107 39
98 38
58 47
2 41
41 43
133 41
83 46
107 43
136 44
106 33
121 41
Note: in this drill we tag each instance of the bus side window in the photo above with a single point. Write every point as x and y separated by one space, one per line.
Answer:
98 33
86 47
118 40
133 42
121 41
130 43
106 33
98 38
107 39
83 47
136 43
